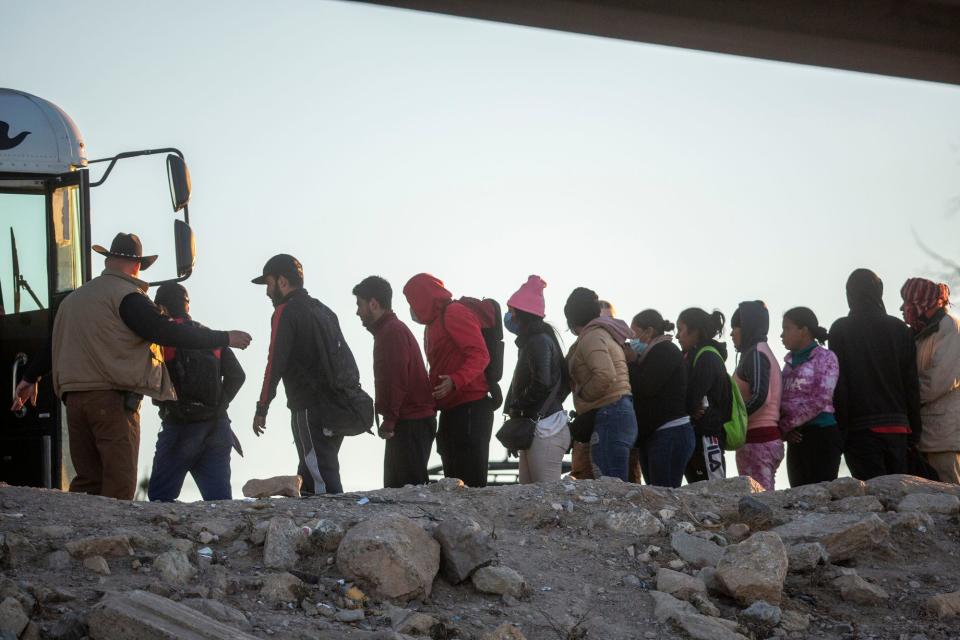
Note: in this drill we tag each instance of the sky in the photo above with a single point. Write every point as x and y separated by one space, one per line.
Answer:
370 140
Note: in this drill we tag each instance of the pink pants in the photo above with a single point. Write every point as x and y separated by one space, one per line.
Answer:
760 461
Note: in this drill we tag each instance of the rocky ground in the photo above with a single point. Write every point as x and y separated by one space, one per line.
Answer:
599 560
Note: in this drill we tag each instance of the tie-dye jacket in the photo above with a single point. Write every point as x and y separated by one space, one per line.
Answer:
808 388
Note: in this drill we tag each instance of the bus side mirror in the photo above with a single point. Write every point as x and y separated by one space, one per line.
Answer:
186 247
179 178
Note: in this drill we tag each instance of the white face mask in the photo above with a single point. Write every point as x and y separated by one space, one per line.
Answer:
637 345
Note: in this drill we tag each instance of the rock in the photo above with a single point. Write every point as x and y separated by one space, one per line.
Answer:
417 624
108 547
71 626
944 605
639 523
391 556
755 569
755 513
280 544
349 615
807 556
843 534
734 487
174 567
59 561
942 503
13 620
10 589
666 607
709 577
326 535
182 545
97 564
282 587
464 547
505 631
763 612
288 486
704 605
846 488
223 529
857 504
259 533
55 531
139 615
16 550
891 489
679 585
500 581
695 550
794 621
909 522
807 496
219 611
738 532
856 589
696 625
206 537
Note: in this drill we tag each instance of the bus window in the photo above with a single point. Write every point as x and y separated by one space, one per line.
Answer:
66 232
23 225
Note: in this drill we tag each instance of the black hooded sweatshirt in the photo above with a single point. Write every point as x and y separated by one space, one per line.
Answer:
708 379
754 367
878 384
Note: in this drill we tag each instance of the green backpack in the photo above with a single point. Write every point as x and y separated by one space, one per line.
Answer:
736 427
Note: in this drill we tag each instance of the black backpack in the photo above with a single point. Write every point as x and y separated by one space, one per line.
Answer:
488 314
198 382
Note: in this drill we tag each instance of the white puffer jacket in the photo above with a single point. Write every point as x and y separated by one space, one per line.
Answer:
938 362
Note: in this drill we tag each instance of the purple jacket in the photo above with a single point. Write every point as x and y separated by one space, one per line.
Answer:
808 388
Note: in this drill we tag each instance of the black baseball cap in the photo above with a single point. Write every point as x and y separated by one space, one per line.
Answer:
128 247
282 264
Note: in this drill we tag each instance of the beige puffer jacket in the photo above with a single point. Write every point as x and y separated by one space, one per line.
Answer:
938 363
598 368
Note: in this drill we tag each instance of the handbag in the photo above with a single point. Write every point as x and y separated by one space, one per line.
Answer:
581 425
517 434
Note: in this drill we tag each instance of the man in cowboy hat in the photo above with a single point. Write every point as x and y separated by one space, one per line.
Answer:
105 358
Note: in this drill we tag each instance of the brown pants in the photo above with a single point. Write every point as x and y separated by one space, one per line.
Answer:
104 443
581 467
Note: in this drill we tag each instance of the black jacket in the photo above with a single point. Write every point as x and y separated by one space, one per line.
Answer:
659 386
878 384
709 379
300 327
754 367
540 368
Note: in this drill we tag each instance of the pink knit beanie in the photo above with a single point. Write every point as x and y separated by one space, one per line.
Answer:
529 297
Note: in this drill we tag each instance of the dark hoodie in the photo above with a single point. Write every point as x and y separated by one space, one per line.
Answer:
878 388
452 339
754 368
708 379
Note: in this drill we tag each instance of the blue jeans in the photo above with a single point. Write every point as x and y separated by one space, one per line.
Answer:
201 449
614 434
665 453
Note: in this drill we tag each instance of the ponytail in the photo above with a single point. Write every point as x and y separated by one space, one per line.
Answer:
708 325
805 318
651 319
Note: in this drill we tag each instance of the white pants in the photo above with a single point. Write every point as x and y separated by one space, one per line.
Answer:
543 461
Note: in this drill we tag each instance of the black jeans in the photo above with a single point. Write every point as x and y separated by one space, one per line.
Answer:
319 466
872 454
406 454
816 458
463 441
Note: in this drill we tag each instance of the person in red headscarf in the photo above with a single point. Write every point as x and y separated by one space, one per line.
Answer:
938 364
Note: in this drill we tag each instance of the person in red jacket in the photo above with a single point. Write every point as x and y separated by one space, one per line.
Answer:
457 356
404 396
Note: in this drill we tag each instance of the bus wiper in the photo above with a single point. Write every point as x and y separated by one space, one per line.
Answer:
19 282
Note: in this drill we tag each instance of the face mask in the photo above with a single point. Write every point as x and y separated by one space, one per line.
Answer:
638 346
510 324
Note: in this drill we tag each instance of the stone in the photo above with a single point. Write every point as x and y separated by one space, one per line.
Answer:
738 532
288 486
755 569
505 631
139 615
59 561
695 550
181 544
13 619
108 547
709 577
280 544
500 581
846 488
807 556
391 556
639 523
844 535
326 535
704 605
807 496
416 624
55 531
219 611
206 537
696 625
857 503
856 589
174 567
97 564
259 533
464 548
679 585
349 615
756 513
16 550
282 587
224 529
909 522
666 607
734 487
944 605
72 626
763 613
943 504
794 621
891 489
10 589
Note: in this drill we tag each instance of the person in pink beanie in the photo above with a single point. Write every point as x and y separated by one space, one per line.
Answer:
540 383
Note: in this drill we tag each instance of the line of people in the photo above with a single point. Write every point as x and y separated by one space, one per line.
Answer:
886 394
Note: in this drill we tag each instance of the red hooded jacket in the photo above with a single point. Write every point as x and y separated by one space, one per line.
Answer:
452 338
